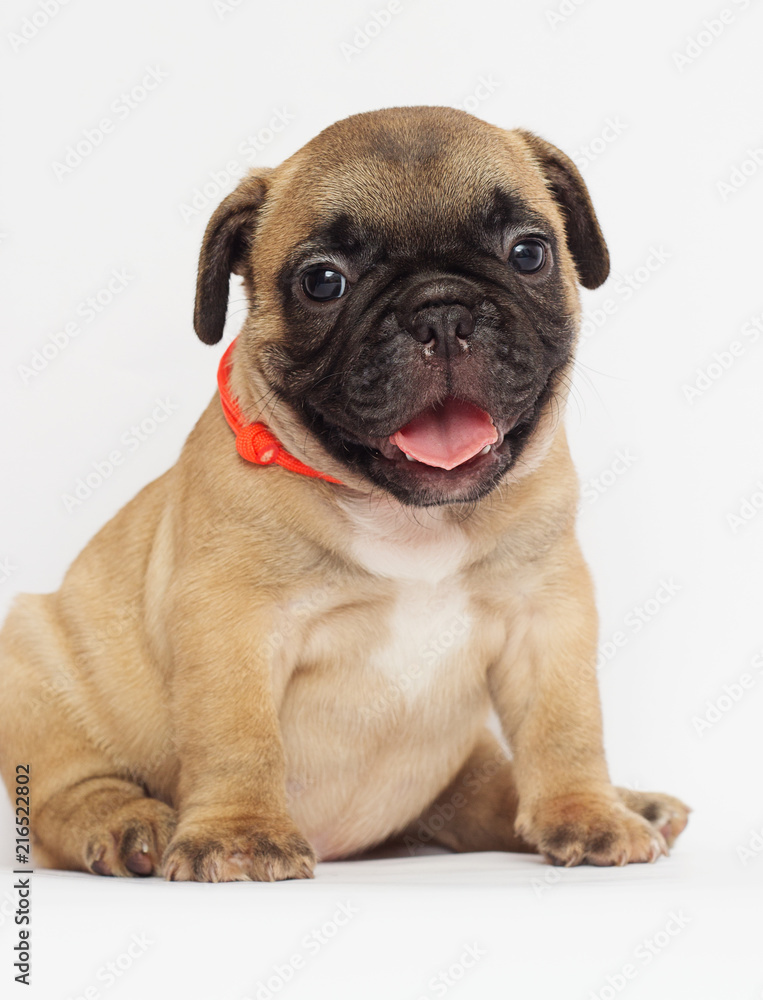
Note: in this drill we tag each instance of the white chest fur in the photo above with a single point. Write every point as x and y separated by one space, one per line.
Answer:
426 631
422 554
405 544
407 709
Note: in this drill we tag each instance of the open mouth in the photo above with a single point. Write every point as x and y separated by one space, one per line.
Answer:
447 434
452 436
447 443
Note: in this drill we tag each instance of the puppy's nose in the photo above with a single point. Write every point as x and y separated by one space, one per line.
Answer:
444 328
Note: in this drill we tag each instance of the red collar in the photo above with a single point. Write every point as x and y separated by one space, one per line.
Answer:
255 442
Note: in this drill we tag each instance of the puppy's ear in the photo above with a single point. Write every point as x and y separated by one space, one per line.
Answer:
225 246
584 237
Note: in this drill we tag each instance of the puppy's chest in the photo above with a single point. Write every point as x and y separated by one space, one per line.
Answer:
395 546
418 636
426 636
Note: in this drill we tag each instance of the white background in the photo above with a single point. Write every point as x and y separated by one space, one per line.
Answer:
684 129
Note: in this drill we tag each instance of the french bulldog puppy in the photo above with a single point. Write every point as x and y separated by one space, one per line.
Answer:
287 646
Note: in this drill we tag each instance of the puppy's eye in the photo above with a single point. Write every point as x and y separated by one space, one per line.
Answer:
323 284
528 256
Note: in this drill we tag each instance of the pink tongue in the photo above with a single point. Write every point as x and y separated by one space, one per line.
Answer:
446 435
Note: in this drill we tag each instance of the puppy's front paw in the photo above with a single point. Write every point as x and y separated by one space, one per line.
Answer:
598 830
240 852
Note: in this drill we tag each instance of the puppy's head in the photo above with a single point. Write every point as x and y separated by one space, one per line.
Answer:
412 279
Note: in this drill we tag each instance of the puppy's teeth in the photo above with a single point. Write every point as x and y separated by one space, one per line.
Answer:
409 457
485 450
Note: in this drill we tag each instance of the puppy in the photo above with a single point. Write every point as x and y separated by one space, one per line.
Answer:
287 646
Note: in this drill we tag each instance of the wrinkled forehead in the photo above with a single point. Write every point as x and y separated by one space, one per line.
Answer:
353 188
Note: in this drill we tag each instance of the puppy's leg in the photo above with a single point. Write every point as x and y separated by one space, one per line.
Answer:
85 811
234 823
666 813
104 824
478 809
546 694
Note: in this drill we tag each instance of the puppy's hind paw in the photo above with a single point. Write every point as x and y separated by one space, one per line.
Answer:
666 813
132 840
